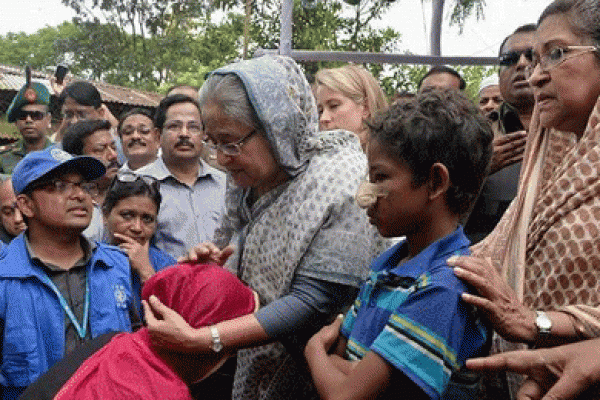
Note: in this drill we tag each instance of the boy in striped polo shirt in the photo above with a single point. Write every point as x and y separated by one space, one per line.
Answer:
409 331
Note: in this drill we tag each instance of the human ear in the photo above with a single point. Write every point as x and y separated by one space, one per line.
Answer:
439 181
25 204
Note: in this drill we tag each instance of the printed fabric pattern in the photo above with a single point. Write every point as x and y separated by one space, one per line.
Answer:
309 225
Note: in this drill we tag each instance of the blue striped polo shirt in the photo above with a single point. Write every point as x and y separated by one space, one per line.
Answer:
411 314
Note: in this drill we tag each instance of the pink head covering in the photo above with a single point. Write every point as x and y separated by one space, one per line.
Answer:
204 294
128 366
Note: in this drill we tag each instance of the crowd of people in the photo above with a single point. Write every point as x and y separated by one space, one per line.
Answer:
263 237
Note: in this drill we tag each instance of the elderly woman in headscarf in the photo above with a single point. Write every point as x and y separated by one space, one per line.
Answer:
538 273
292 229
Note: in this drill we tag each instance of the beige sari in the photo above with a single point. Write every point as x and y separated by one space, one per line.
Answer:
547 244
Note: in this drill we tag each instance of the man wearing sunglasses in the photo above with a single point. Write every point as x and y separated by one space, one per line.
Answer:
510 123
29 112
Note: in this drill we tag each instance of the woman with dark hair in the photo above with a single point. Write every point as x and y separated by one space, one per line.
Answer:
130 210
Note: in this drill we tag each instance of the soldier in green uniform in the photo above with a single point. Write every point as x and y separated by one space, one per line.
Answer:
29 111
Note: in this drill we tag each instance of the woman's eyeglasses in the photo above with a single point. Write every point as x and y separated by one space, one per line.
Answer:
559 55
510 58
229 149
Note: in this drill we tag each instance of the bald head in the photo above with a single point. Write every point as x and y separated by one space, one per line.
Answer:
10 216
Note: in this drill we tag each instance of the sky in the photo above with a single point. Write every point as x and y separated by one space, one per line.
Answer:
479 38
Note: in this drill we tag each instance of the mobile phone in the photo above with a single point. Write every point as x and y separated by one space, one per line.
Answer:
61 72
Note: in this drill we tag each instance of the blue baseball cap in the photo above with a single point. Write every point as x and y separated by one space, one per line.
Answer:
39 164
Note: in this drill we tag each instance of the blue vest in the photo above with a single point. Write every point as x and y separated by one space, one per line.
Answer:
33 320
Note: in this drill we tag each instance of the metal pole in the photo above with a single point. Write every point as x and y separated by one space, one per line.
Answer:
382 58
285 39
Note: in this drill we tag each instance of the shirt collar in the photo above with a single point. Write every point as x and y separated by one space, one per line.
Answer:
453 244
87 246
160 171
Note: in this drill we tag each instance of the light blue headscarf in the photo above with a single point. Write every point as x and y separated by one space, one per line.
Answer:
309 225
285 105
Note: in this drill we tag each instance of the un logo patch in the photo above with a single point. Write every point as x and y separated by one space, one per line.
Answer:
120 296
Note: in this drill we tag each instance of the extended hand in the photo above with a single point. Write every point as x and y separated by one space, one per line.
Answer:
207 252
169 330
508 149
511 319
556 373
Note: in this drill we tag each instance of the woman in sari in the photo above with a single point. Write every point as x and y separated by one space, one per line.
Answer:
292 229
538 272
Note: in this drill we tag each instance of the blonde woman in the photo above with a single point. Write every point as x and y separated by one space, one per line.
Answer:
346 97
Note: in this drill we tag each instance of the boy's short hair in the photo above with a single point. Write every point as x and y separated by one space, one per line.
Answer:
439 126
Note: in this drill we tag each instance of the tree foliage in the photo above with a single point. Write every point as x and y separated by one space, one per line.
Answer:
153 44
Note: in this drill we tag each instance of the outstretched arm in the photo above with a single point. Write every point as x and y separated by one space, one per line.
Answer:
557 373
168 329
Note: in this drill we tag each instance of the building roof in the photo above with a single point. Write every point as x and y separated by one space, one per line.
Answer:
13 78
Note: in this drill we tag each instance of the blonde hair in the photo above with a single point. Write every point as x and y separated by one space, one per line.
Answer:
356 83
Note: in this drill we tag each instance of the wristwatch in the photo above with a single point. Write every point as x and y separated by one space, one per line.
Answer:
543 324
216 346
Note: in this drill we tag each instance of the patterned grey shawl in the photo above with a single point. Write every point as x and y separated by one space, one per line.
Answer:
309 225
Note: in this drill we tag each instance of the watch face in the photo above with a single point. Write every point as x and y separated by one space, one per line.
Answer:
543 322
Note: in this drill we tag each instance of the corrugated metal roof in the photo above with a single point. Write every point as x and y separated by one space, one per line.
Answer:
12 78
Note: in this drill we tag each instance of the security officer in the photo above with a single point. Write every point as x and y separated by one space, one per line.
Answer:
29 111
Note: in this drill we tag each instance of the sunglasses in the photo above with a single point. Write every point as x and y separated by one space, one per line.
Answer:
34 115
512 57
130 177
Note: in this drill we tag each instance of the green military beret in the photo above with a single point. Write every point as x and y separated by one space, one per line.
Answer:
36 93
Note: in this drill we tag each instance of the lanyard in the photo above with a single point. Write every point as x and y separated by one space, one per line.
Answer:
81 329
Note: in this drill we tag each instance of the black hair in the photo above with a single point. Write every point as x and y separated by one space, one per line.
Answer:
134 111
83 93
161 111
439 126
527 28
443 69
119 190
73 141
